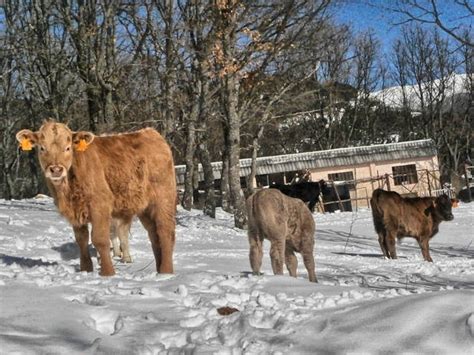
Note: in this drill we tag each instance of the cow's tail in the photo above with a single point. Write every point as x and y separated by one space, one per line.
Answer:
377 212
252 228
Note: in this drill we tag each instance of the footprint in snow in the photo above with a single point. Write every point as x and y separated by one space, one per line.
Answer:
105 321
90 299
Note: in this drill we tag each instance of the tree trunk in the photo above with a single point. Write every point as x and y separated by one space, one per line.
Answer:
203 149
226 202
253 168
93 106
187 201
236 193
210 200
196 202
169 69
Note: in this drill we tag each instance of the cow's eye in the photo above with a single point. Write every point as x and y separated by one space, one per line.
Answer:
42 149
68 148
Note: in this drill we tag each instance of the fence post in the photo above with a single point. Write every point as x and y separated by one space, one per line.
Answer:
429 184
338 198
469 196
387 180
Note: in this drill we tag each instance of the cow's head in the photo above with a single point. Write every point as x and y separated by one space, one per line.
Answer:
324 188
55 144
442 208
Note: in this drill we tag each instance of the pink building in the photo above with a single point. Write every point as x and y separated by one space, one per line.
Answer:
410 168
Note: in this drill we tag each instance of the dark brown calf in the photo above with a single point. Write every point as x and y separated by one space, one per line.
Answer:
416 217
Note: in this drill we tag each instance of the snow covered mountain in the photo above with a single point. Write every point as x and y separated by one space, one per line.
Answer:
455 86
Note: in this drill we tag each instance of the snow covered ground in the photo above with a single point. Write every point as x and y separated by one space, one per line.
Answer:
362 303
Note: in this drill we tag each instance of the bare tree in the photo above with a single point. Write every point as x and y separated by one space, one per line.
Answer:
266 31
36 82
457 122
365 78
91 25
426 65
428 12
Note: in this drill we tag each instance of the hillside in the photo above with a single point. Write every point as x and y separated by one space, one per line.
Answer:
455 87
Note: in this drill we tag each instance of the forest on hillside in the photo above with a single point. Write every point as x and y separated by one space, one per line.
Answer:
228 79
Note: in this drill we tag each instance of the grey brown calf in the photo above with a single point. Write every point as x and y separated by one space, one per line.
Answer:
289 226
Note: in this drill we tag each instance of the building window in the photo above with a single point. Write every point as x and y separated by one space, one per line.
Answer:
347 176
344 176
405 174
262 180
269 179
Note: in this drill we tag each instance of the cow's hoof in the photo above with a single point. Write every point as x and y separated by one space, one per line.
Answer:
105 272
127 259
86 266
166 270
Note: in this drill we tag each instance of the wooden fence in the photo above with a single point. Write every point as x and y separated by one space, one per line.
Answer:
425 183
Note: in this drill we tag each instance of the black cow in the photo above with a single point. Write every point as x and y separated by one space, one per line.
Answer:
306 191
463 195
335 193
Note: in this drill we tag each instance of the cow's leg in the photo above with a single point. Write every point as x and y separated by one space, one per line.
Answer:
256 252
101 241
383 245
165 230
290 260
123 230
115 238
161 231
82 238
150 226
425 249
311 205
277 255
391 241
116 245
308 260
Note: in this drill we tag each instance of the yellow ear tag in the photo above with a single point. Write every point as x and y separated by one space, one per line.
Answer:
25 144
82 145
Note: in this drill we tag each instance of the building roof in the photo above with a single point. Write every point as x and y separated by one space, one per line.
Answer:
327 158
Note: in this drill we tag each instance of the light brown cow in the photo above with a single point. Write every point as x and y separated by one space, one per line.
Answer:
289 226
94 178
416 217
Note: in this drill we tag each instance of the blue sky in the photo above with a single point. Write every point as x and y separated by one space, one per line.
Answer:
373 14
363 15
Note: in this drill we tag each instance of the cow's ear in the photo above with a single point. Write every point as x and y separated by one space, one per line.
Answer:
454 202
82 139
27 139
430 209
88 137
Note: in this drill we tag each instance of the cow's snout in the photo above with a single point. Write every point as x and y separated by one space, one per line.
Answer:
56 171
449 217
